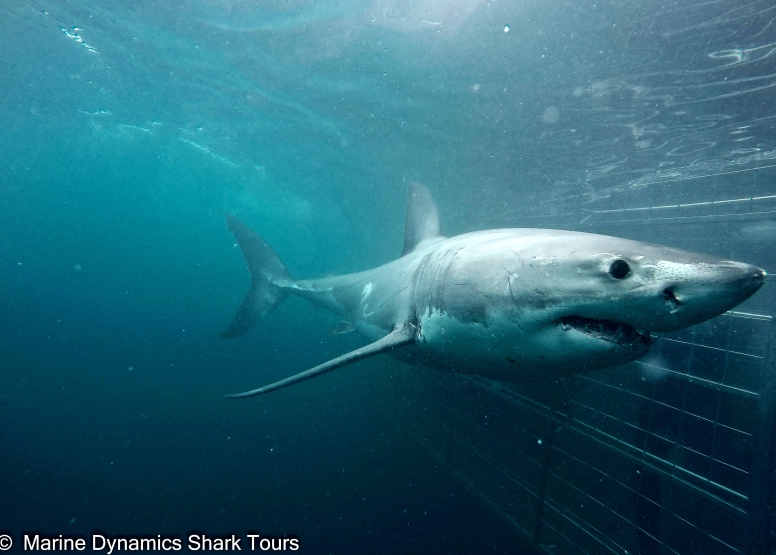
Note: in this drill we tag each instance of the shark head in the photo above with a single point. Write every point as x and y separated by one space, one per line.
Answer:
513 303
650 287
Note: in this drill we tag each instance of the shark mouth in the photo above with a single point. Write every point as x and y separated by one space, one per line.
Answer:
621 334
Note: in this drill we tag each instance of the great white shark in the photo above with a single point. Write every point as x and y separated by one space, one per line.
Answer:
509 304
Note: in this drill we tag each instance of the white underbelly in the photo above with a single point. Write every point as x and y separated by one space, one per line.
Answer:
504 349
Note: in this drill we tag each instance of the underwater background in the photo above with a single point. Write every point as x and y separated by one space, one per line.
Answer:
130 128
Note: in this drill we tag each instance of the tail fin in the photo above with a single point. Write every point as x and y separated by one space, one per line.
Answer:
266 269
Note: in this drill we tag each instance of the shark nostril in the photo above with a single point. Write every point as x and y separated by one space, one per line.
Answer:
673 303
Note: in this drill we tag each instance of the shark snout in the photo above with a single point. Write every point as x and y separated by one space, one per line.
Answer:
754 278
705 293
740 280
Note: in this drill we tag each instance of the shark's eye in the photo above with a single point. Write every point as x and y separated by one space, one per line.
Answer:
619 269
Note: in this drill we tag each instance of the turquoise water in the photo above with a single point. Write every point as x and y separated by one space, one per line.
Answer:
129 129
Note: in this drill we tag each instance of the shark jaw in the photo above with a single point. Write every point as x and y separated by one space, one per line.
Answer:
526 349
623 335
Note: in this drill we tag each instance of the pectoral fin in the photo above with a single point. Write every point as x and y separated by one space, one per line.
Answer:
397 338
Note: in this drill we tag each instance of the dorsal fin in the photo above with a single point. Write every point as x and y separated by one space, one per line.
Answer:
422 218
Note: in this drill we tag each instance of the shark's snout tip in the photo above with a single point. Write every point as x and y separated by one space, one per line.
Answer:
759 276
749 274
752 280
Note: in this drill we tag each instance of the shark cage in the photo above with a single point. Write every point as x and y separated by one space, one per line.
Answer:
671 454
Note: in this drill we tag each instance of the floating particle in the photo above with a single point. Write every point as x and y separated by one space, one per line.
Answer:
551 115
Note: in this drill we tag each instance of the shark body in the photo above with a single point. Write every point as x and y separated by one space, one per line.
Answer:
508 304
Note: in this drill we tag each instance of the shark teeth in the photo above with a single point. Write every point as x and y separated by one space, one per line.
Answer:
615 332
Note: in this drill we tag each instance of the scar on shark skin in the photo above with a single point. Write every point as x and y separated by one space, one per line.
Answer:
512 294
